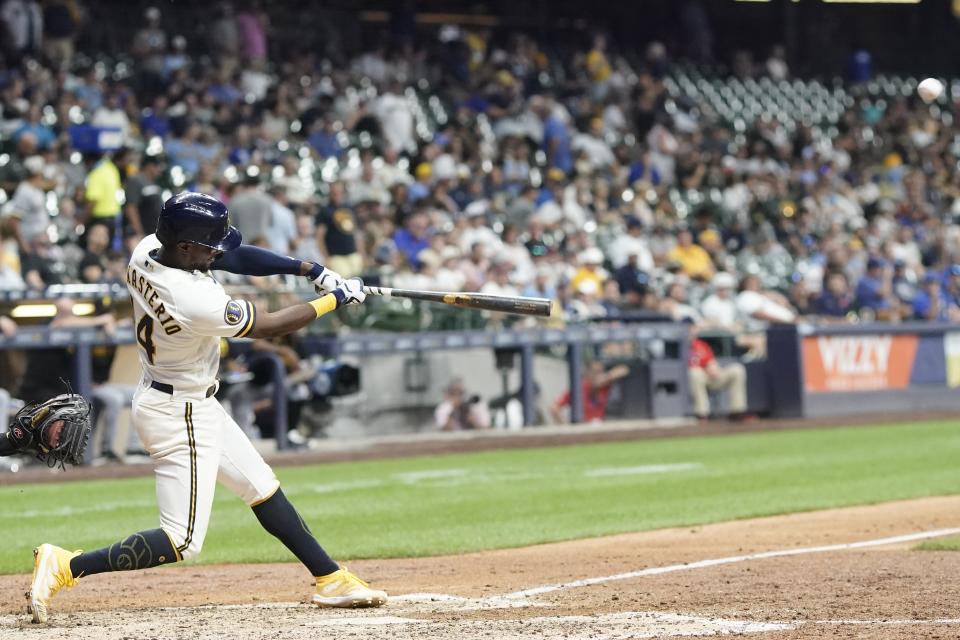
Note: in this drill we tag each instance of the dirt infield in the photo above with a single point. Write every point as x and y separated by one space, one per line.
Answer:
779 578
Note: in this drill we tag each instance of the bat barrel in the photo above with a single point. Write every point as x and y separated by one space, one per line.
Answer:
489 302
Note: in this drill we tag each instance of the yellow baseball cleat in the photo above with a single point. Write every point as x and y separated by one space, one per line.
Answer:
51 572
343 589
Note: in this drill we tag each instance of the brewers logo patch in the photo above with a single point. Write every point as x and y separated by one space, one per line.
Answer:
233 314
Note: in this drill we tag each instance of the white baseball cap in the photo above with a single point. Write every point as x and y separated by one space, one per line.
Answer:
34 165
591 256
724 280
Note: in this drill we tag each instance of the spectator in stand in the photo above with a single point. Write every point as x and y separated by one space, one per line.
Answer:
719 309
93 265
34 125
252 24
144 197
148 46
694 261
513 250
325 138
305 244
706 375
396 119
192 148
556 133
460 412
836 301
542 286
633 284
767 258
102 194
14 171
283 222
598 67
155 120
251 211
411 239
23 20
594 148
225 36
337 234
449 277
42 265
611 299
932 303
111 115
758 308
595 393
632 243
590 270
477 230
875 290
27 210
676 303
11 278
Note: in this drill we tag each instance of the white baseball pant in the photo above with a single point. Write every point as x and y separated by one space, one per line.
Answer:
194 442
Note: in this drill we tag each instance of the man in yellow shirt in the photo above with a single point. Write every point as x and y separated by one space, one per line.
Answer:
590 270
598 68
597 64
103 195
692 258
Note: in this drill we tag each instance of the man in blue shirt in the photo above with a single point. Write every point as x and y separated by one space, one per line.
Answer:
556 143
931 303
835 301
873 290
951 284
412 238
34 125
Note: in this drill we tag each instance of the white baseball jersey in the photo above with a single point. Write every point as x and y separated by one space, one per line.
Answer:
180 317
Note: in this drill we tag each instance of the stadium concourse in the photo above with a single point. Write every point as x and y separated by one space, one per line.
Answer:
613 179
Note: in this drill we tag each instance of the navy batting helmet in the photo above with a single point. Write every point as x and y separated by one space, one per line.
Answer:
197 218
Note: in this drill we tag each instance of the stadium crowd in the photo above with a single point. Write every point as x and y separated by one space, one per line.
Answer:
567 174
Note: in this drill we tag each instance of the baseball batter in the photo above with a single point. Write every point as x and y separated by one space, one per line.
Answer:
181 312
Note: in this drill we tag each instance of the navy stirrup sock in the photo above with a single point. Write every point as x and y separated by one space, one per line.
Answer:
139 551
281 519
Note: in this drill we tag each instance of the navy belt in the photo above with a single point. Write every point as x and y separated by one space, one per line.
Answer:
168 388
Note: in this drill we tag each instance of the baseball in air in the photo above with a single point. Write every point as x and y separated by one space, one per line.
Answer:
930 89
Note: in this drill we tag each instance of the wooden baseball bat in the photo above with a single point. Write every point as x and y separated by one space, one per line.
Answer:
490 302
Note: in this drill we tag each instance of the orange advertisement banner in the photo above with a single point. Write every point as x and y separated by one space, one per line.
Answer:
858 363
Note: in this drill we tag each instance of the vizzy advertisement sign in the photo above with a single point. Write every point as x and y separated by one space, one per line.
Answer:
858 363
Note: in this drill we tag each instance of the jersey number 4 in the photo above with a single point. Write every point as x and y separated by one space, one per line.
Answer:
145 336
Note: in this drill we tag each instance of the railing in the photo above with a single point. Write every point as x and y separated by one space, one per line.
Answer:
659 341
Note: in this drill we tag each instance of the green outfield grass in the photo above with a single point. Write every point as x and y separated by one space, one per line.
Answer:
945 544
453 503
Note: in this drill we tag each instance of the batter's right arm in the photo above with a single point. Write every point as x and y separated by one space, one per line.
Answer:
288 320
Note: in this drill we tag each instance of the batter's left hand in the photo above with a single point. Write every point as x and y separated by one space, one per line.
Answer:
324 279
350 292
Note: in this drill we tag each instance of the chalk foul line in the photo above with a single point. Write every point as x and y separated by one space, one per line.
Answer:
702 564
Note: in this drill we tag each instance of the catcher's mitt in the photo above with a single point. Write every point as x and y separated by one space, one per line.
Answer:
56 431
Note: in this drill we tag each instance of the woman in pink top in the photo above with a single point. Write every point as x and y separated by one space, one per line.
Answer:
252 24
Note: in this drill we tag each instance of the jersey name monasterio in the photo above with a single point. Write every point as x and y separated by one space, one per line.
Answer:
180 317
